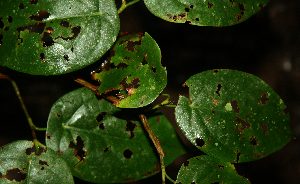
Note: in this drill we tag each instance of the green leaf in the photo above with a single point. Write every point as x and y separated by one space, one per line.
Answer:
52 37
206 169
19 164
205 12
233 116
137 70
105 144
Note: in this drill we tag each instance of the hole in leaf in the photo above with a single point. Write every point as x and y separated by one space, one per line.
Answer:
261 5
244 124
174 17
130 45
219 86
66 57
1 38
42 168
43 163
186 163
192 6
101 126
285 111
79 152
48 136
130 126
210 5
34 1
47 40
1 23
16 174
21 6
214 112
64 23
264 98
253 141
122 65
42 14
200 142
28 151
216 70
6 28
107 149
127 153
234 105
72 48
10 19
42 56
197 19
153 69
187 9
58 115
221 166
75 31
264 128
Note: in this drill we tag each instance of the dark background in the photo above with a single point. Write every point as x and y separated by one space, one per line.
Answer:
266 45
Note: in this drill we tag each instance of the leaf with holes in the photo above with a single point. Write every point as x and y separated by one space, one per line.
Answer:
234 116
206 169
52 37
104 144
205 12
20 164
136 69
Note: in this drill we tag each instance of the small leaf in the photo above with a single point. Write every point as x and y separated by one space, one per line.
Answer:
52 37
206 169
234 116
137 70
104 144
205 12
19 164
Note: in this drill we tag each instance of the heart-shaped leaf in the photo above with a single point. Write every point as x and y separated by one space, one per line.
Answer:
52 37
234 116
104 144
205 12
19 164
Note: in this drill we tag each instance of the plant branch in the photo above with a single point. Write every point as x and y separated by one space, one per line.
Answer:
32 126
157 145
165 103
125 5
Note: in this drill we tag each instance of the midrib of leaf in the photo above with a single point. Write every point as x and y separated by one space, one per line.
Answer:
73 16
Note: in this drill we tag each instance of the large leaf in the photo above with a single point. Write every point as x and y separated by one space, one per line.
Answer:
205 12
19 164
52 37
234 116
206 169
105 144
137 69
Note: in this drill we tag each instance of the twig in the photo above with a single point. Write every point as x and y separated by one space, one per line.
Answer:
125 5
32 126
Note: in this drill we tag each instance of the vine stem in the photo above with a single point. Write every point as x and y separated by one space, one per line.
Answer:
125 5
165 103
32 126
158 147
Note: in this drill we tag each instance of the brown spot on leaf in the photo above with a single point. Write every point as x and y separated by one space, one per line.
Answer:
263 99
255 155
59 152
21 6
210 5
107 149
158 119
221 166
128 179
42 14
34 1
207 119
43 162
48 136
234 105
264 128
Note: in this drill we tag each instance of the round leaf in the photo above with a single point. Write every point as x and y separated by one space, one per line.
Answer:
52 37
19 164
234 116
137 70
205 13
206 169
104 144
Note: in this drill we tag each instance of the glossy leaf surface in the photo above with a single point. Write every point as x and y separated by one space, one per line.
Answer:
205 12
206 169
52 37
18 164
104 144
137 69
233 116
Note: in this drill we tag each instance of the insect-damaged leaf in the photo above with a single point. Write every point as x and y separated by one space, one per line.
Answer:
52 37
104 144
206 169
18 164
137 69
205 12
233 116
